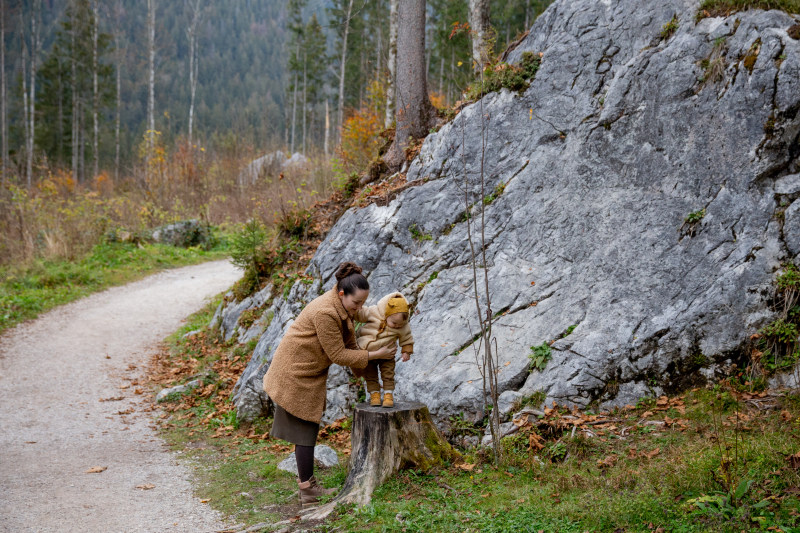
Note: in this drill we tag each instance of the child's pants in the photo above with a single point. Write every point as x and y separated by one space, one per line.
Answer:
384 369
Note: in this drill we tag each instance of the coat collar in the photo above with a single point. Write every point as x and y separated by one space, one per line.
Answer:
337 304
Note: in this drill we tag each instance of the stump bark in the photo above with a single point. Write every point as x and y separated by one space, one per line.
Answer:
385 441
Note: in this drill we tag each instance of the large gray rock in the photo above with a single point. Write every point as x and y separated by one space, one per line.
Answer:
183 234
616 141
227 315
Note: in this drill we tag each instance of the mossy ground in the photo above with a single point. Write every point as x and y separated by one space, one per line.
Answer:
670 465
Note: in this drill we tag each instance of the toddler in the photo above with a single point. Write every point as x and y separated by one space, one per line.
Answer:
384 324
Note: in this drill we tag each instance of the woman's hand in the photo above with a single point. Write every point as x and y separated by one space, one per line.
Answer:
387 352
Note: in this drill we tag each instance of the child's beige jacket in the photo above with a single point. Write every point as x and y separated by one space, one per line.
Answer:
375 333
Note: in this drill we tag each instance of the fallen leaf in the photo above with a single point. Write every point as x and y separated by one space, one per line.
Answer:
647 413
794 460
466 467
138 391
96 469
786 416
125 386
652 453
112 399
146 486
607 462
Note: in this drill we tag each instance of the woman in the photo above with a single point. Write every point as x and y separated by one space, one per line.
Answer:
322 335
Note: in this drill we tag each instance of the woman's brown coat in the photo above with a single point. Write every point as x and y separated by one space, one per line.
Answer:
321 335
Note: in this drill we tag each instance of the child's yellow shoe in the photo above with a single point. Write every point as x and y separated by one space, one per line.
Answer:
388 399
374 399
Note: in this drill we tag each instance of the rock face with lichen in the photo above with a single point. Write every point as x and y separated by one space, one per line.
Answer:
639 198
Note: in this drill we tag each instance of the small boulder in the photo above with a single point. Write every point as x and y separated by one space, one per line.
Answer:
183 234
178 389
324 457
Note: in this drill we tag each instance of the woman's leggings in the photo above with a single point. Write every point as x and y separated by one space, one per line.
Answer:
305 462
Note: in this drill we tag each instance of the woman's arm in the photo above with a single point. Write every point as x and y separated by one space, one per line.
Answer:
330 335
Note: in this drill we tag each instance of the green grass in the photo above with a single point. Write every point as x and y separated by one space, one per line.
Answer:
27 292
576 495
717 8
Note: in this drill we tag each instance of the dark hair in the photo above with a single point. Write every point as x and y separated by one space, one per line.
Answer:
349 278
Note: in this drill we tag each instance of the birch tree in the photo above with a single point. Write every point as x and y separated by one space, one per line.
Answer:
120 54
95 21
151 123
3 128
195 9
415 114
30 97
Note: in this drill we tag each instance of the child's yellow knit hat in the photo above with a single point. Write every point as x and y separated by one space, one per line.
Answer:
396 304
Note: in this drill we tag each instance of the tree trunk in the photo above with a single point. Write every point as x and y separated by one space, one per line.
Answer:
151 124
74 84
385 441
391 64
479 22
415 113
3 130
32 98
305 99
25 108
118 117
327 127
340 125
193 61
294 114
95 93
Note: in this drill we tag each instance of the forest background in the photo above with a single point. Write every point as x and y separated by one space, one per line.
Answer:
113 121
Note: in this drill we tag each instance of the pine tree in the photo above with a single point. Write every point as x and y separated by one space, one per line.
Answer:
294 65
68 96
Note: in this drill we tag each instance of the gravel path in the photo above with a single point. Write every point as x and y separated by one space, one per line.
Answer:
69 402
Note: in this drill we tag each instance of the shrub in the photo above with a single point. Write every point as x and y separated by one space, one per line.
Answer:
294 223
504 75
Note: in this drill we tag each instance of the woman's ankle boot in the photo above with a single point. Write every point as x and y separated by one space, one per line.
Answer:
310 491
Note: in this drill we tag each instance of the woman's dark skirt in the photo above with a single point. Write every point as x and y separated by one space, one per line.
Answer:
288 427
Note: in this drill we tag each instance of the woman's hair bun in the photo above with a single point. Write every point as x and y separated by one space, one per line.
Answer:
349 278
346 269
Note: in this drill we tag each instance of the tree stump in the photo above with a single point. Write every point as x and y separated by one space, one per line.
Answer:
385 441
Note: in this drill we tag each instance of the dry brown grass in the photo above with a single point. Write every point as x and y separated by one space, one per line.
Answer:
59 218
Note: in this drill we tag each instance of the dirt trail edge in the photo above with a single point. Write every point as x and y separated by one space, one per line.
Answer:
69 402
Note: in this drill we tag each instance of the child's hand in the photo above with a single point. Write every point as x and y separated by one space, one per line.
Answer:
406 356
